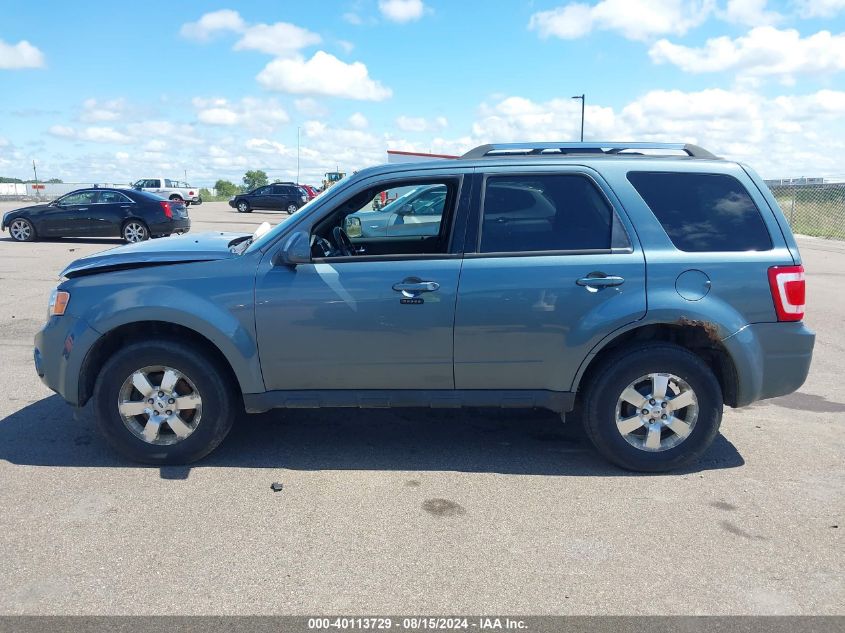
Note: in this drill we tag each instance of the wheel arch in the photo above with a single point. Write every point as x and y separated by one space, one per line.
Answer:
699 337
133 331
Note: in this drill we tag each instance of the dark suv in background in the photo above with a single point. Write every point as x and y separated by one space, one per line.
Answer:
280 196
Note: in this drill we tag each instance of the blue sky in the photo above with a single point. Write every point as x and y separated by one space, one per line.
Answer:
116 92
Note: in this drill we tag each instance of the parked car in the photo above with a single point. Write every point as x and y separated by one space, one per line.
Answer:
170 189
636 293
133 215
278 196
310 191
417 212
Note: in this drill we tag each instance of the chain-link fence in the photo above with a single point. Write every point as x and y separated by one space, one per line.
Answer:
816 208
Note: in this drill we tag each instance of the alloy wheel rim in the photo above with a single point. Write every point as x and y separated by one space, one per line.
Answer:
656 412
291 209
20 230
159 405
134 232
242 207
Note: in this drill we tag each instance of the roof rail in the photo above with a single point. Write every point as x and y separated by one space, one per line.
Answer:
594 147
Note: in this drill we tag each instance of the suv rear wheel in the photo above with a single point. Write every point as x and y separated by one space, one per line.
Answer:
653 408
161 402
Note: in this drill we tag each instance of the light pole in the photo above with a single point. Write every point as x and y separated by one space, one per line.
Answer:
583 99
35 173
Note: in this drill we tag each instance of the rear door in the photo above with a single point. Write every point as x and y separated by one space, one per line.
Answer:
108 212
555 267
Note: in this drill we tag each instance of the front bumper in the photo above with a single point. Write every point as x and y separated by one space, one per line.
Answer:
60 349
771 359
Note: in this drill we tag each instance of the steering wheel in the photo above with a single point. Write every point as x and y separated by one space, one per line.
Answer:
344 244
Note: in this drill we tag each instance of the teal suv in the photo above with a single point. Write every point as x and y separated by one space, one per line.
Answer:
640 287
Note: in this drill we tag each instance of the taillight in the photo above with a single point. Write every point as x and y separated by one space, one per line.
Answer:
788 291
167 210
190 193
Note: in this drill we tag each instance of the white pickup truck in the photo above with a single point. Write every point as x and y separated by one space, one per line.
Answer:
170 189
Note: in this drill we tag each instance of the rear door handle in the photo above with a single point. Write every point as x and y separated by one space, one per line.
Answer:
414 286
600 282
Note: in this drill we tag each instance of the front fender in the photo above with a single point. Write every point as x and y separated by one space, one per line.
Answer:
213 299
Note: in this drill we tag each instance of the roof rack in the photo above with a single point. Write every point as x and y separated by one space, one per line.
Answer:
494 150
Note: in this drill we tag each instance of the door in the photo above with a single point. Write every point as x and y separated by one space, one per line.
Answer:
553 272
108 213
362 321
262 198
280 197
69 215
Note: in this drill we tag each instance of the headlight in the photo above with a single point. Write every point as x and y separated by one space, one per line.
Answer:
353 226
58 303
232 198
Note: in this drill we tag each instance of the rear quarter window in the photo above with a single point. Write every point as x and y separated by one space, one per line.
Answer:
703 212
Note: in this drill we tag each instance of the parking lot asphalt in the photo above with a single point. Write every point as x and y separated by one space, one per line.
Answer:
416 511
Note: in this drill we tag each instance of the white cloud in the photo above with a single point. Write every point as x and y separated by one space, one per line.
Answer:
218 116
62 131
358 121
764 51
323 74
20 55
819 8
281 39
93 134
212 23
249 112
420 124
94 111
784 136
634 19
401 10
352 18
750 13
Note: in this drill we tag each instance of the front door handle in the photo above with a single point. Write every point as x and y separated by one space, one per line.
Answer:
600 282
414 286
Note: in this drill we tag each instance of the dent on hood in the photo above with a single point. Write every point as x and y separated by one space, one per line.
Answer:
165 251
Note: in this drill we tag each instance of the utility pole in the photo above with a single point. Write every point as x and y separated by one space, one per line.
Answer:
583 98
297 153
35 173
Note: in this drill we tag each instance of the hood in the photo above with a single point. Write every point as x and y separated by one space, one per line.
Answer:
194 247
33 208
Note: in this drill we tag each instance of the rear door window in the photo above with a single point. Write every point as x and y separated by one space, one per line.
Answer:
703 212
561 212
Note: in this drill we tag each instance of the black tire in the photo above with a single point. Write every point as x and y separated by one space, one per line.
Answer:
292 208
617 372
175 198
219 401
139 227
243 207
22 230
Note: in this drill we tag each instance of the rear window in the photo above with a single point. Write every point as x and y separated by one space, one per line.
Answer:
703 212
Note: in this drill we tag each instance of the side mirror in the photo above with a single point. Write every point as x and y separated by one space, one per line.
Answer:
405 209
296 250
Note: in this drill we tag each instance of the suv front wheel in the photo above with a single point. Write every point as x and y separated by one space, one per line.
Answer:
162 402
653 408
